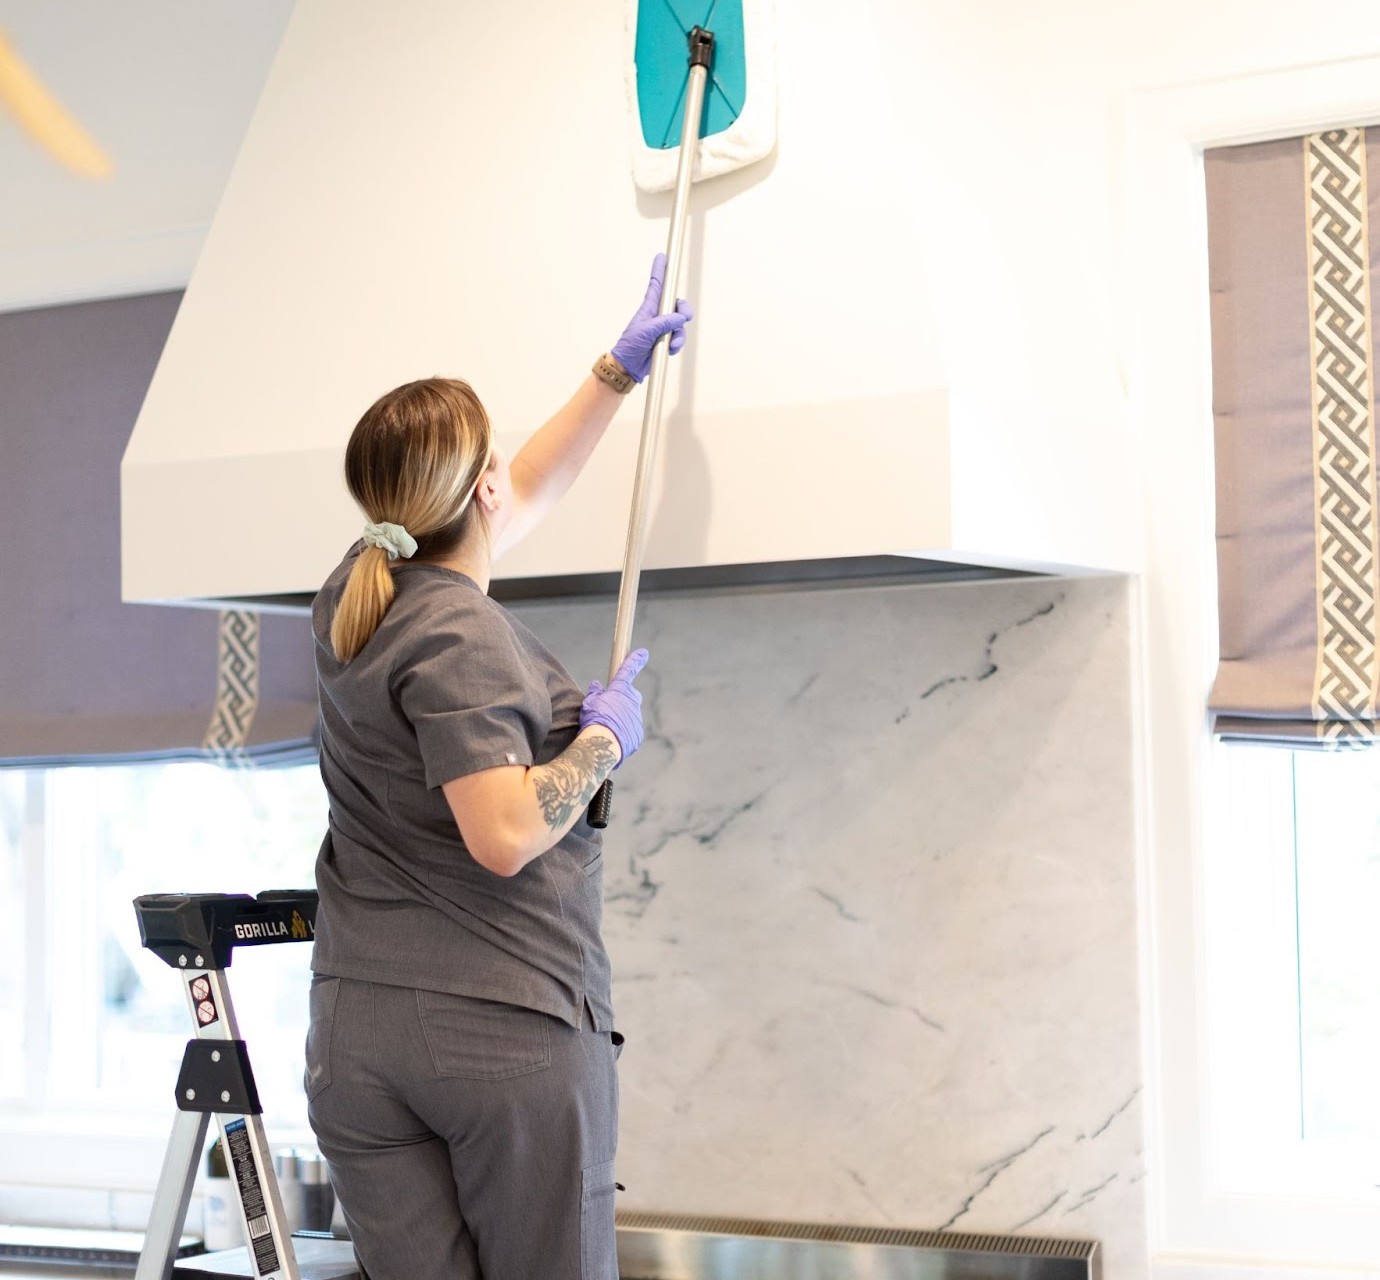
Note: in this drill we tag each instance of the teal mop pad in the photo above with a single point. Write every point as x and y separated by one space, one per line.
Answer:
738 123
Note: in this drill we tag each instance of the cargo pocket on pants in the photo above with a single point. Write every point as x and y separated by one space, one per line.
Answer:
321 1005
598 1239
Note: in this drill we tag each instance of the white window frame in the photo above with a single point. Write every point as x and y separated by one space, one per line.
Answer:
1164 133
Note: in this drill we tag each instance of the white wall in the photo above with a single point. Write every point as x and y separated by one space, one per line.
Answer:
167 90
429 188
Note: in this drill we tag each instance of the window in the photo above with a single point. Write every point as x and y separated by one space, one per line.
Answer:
12 933
1292 894
1337 850
111 1019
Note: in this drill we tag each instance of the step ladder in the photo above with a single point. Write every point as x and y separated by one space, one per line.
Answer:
197 933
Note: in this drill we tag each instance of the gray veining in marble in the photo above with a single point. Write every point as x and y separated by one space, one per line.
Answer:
871 906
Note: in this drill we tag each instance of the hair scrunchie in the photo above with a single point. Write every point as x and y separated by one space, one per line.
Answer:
392 538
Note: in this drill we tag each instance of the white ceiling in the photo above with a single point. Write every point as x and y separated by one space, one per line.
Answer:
167 88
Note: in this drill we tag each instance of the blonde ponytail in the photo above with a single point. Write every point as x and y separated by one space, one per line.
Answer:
414 460
367 595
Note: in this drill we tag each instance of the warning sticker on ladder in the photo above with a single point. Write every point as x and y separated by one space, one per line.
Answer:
246 1174
203 1001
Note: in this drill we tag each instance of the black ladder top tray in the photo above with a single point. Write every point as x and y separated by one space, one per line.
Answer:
201 930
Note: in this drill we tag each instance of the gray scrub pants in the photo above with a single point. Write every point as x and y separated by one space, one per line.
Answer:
465 1138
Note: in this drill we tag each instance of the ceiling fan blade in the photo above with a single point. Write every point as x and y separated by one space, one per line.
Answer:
45 119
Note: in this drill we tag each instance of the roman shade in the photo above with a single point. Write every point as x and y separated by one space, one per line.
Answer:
1292 271
85 678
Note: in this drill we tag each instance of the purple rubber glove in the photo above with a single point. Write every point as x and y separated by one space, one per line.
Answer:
634 349
619 707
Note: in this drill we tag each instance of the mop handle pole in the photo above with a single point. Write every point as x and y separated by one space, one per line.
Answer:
701 51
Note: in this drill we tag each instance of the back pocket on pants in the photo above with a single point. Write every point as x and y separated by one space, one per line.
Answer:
598 1238
482 1039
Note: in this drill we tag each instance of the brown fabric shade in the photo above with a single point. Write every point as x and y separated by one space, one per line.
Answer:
85 678
1292 274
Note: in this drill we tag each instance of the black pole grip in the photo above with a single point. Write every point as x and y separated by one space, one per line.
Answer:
701 47
601 804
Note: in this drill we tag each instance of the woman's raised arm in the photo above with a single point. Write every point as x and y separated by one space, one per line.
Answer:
546 466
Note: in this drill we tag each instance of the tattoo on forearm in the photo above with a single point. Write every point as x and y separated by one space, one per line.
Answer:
569 782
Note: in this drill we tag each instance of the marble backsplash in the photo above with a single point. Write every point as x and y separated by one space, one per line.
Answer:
871 903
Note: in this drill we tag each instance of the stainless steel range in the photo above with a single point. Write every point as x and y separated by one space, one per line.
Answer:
656 1246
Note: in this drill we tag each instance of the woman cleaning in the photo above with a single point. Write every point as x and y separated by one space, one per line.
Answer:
460 1057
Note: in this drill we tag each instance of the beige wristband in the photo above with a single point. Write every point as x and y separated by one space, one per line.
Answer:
611 370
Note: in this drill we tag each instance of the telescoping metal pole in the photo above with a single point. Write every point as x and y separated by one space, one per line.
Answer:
701 59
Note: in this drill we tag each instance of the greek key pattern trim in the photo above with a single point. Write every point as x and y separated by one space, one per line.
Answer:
1345 681
237 685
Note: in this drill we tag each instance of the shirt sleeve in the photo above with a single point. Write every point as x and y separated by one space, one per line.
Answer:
472 696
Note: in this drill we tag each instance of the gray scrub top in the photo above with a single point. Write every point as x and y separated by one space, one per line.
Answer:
449 684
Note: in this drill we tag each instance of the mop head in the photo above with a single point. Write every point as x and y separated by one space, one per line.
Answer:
740 99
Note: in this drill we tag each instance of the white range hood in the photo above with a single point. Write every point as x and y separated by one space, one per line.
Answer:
430 187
